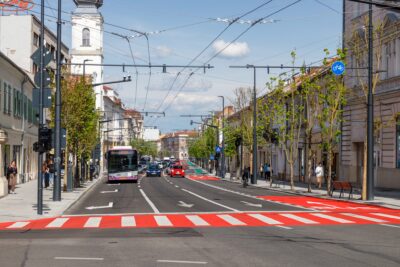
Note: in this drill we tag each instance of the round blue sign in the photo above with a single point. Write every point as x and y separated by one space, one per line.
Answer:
338 68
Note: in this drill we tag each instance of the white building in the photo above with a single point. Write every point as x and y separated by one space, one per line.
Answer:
18 123
87 43
151 134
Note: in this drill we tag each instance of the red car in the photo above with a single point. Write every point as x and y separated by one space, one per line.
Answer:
177 170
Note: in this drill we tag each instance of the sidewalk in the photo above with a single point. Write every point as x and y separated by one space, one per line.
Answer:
22 205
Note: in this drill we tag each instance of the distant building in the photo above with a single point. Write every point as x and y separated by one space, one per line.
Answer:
151 134
176 144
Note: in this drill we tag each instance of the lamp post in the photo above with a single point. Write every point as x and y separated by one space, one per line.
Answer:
223 139
84 66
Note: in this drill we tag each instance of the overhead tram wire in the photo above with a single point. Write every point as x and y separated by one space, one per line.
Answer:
210 43
240 35
149 78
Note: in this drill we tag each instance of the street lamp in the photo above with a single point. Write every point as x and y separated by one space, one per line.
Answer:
84 65
223 138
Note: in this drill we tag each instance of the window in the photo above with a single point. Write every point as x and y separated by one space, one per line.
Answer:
85 37
25 107
36 39
398 143
9 100
15 102
30 111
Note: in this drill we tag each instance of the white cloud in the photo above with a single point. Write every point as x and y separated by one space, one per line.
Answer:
163 51
237 49
191 102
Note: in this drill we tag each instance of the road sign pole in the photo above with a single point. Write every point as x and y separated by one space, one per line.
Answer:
40 156
57 161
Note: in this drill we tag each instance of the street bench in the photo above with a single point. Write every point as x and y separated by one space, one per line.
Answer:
342 186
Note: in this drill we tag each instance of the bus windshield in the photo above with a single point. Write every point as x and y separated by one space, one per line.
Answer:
122 161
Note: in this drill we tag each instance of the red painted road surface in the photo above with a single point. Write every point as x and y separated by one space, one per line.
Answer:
202 178
249 219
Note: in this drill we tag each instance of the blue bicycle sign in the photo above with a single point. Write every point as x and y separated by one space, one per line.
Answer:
338 68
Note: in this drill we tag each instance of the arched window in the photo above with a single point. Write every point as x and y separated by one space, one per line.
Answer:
85 37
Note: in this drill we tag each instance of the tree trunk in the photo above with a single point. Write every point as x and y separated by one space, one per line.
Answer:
292 176
364 178
309 163
329 179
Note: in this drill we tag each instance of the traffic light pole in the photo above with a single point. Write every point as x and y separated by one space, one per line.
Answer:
40 156
57 160
370 114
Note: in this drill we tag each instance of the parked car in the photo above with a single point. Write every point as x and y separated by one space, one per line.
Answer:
153 170
177 170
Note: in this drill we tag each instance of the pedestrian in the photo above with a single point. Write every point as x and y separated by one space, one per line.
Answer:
319 172
50 165
246 176
268 172
45 174
12 177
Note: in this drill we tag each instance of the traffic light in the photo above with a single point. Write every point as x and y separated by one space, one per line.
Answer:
45 140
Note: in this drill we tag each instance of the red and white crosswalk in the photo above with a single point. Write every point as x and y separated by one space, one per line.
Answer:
250 219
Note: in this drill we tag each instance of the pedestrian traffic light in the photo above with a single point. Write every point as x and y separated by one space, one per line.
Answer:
45 140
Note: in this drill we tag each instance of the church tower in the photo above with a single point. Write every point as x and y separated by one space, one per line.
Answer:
87 43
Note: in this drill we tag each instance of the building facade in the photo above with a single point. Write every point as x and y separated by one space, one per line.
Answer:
176 143
18 123
386 97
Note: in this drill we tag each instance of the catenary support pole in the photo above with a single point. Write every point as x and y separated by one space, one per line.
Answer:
370 112
40 155
57 160
254 177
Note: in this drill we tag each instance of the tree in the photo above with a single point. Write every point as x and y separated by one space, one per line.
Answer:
143 147
332 99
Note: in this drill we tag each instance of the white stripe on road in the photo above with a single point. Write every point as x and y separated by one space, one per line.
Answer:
211 201
18 225
331 218
264 219
364 217
183 262
390 225
197 220
57 223
149 201
387 215
298 218
92 222
231 220
78 258
284 227
128 221
162 221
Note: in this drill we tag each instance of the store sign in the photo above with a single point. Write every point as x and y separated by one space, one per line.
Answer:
15 5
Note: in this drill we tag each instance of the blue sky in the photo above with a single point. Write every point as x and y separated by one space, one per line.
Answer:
308 27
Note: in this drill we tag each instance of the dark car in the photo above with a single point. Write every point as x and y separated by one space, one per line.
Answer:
153 170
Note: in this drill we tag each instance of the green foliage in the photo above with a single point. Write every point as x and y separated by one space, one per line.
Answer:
148 148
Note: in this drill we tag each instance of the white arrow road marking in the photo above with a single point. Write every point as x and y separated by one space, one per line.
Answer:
110 205
251 204
185 205
105 192
209 200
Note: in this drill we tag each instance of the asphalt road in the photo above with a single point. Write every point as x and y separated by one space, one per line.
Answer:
312 245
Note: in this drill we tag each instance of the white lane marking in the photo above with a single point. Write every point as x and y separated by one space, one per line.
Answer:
331 218
298 218
177 186
390 225
58 222
251 204
284 227
364 217
197 220
113 184
128 221
92 222
209 200
231 220
246 195
149 201
110 205
183 262
78 258
18 225
185 205
163 221
387 215
264 219
105 192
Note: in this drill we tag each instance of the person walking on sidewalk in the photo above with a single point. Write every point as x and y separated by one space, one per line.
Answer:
319 172
50 165
46 174
12 177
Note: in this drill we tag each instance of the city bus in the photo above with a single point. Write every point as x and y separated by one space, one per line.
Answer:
122 164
